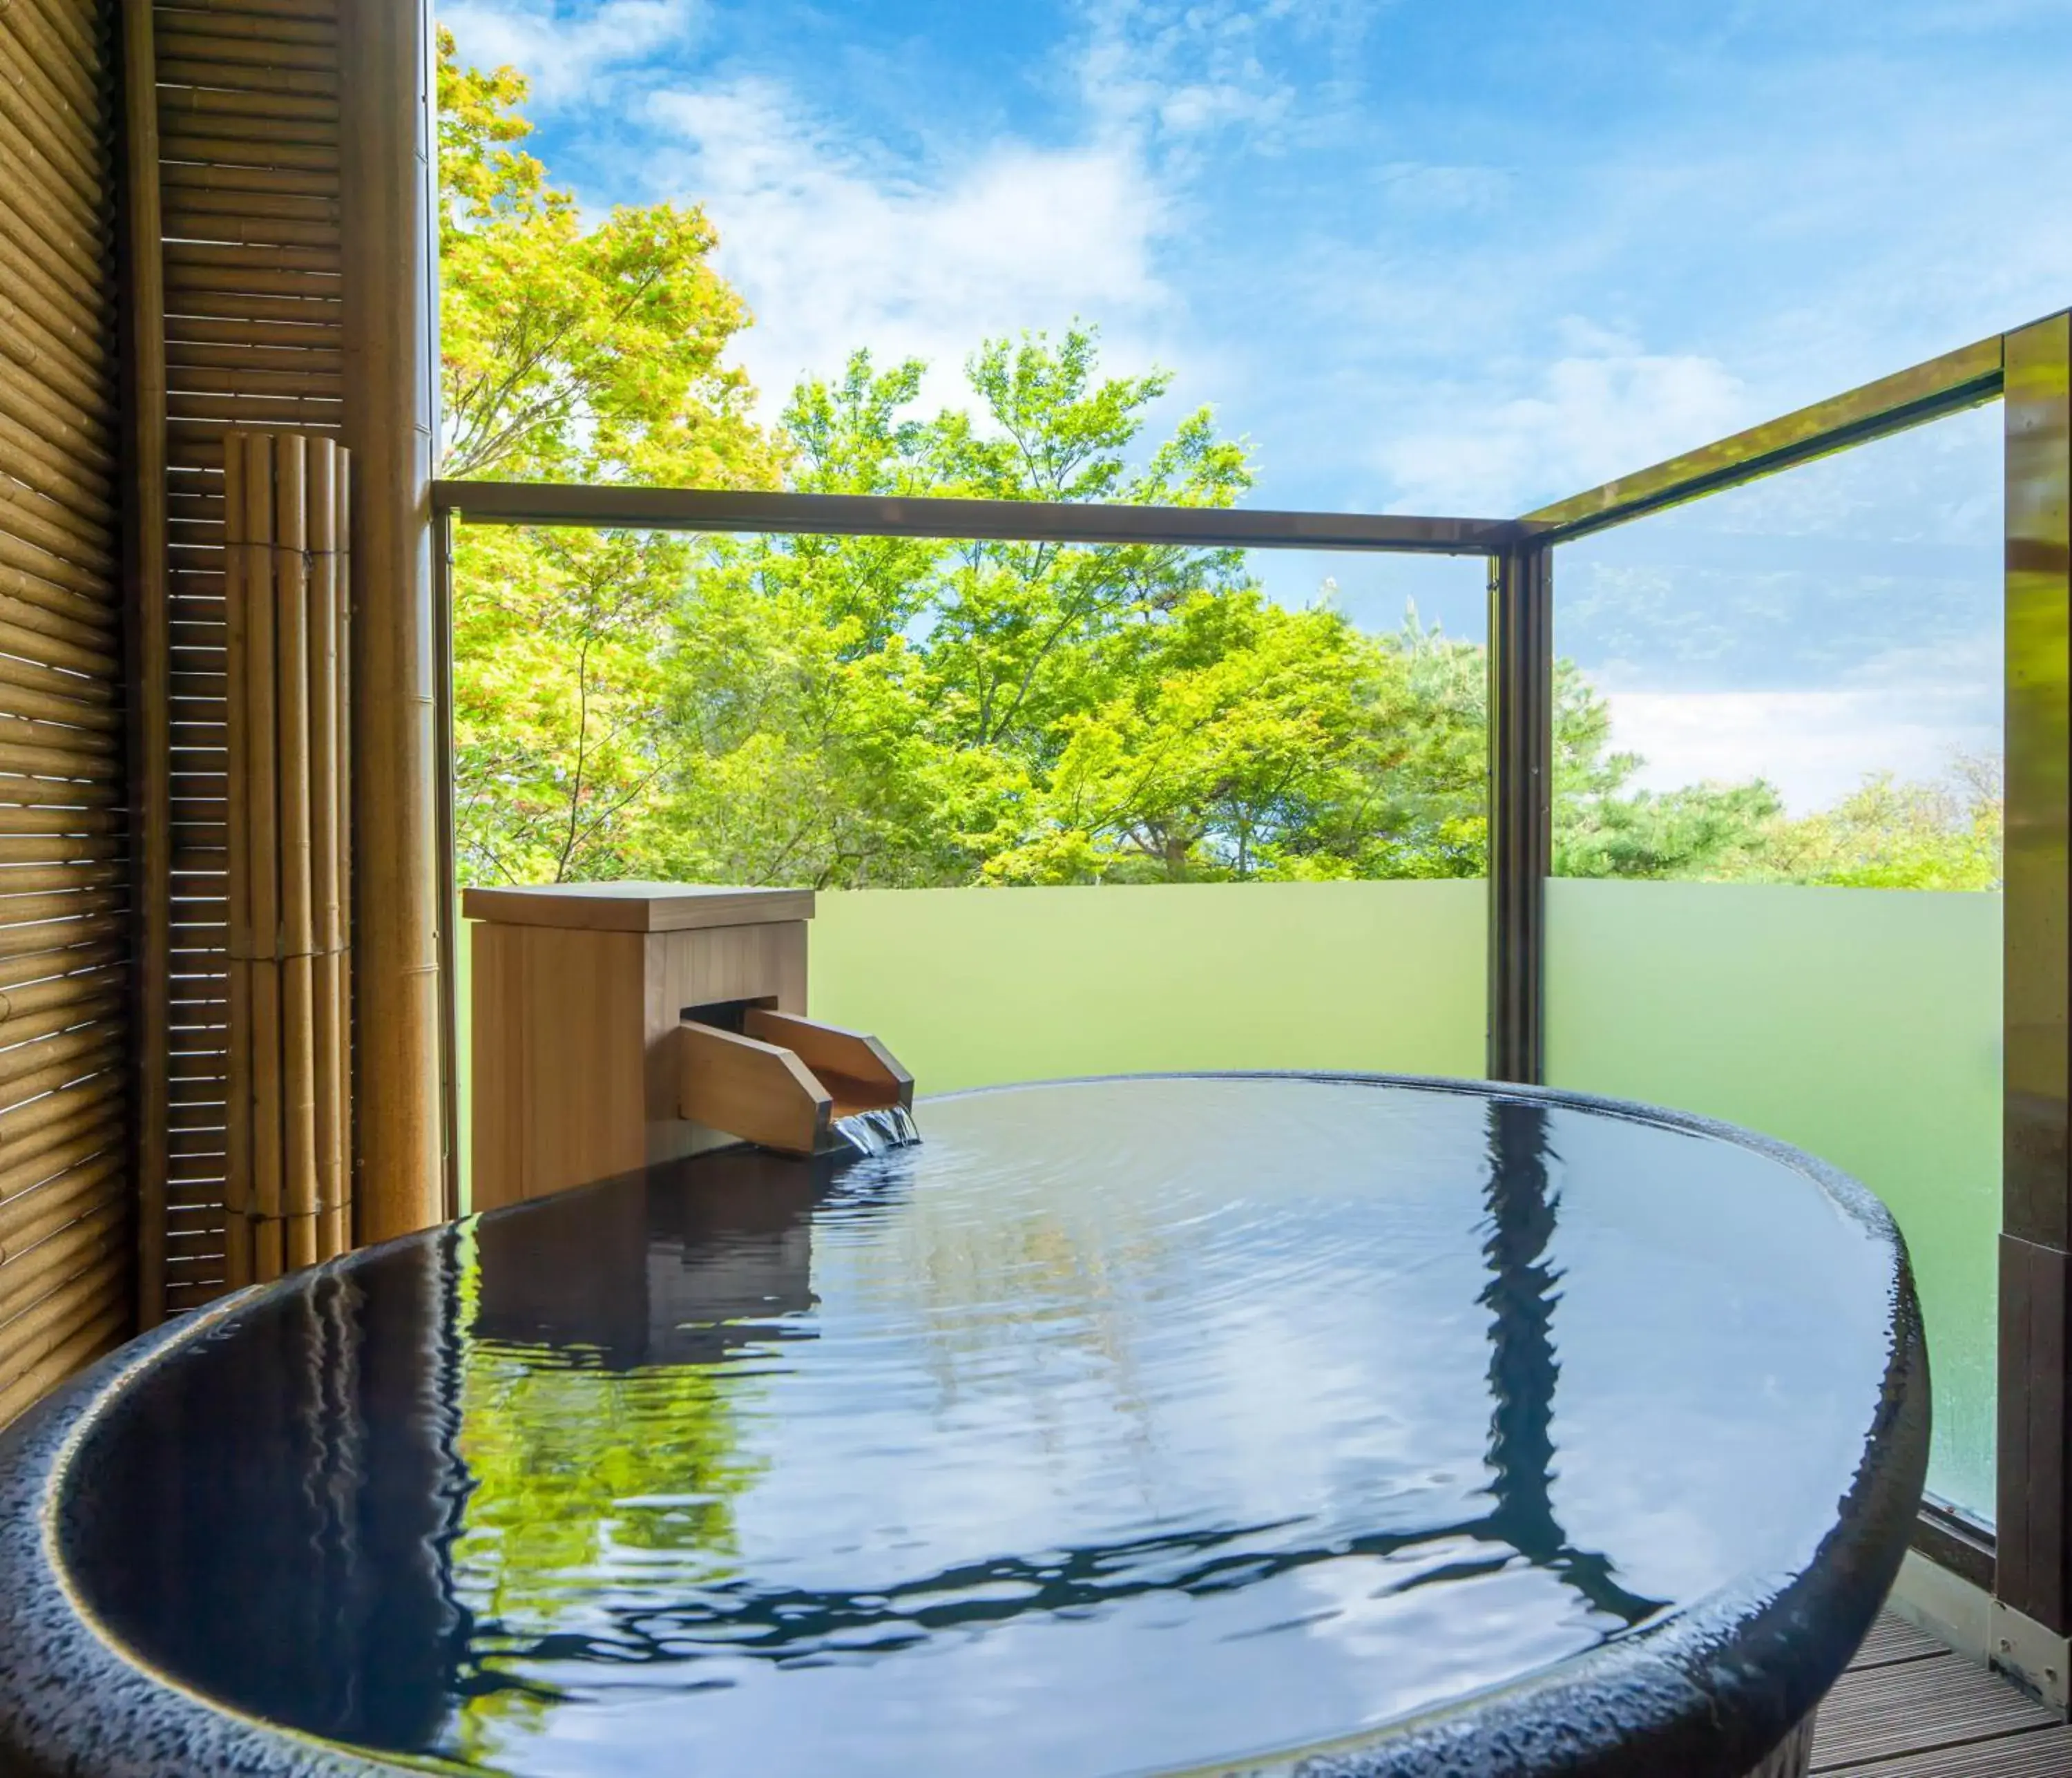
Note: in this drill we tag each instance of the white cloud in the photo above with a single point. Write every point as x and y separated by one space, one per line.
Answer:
1909 713
836 247
1179 70
1603 411
1431 189
567 52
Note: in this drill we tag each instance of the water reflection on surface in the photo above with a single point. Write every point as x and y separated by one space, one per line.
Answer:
1119 1425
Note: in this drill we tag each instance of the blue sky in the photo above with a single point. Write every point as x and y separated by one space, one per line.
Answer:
1460 257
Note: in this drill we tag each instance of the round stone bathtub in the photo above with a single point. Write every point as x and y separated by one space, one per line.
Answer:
1245 1423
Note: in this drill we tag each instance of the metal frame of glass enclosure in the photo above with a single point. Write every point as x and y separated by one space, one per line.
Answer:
2027 1562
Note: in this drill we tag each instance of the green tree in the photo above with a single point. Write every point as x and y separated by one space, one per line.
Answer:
850 711
888 711
882 710
1892 835
582 353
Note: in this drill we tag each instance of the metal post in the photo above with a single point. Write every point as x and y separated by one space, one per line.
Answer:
448 911
1521 800
2033 1587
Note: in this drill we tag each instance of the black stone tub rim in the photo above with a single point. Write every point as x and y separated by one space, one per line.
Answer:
1708 1690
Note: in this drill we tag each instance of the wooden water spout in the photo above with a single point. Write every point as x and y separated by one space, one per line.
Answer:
618 1024
785 1082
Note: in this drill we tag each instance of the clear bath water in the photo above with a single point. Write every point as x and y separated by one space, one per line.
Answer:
1118 1427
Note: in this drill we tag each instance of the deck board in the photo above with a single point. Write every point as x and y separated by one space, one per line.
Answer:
1908 1708
1892 1639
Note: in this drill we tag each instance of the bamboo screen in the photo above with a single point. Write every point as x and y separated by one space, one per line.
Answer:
290 1087
66 1228
249 171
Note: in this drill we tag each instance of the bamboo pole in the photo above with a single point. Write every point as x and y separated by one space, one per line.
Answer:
87 646
299 1189
27 1386
32 675
50 793
65 358
248 379
44 521
315 365
217 102
62 865
248 215
65 70
96 1228
262 889
88 1134
24 1126
60 733
349 1228
42 1328
71 1065
87 490
60 938
326 739
70 27
44 965
289 1060
268 181
200 330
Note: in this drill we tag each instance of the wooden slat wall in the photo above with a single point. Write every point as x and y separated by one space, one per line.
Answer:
247 115
67 1226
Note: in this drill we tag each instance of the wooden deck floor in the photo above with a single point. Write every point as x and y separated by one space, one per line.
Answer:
1908 1708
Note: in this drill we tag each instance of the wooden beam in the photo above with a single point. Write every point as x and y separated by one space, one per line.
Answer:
389 314
150 648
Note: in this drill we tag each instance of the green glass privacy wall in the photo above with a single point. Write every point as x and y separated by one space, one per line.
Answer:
1862 1025
975 987
1776 895
980 987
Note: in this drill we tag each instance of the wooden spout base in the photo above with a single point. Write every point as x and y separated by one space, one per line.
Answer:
782 1080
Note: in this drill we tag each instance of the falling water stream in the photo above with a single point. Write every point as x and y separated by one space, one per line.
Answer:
877 1132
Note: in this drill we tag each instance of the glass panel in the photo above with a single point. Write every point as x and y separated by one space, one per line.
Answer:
1068 811
971 987
1786 698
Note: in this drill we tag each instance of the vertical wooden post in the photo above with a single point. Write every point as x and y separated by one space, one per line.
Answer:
2032 1586
1521 789
390 317
237 1199
144 564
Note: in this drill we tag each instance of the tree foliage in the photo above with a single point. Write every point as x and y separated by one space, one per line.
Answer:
844 711
569 353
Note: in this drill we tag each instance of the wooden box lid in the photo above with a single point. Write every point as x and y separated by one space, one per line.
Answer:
636 906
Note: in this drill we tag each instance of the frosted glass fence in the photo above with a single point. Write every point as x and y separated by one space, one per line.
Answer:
1804 677
973 987
980 987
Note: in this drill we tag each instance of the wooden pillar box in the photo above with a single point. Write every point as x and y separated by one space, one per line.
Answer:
618 1024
